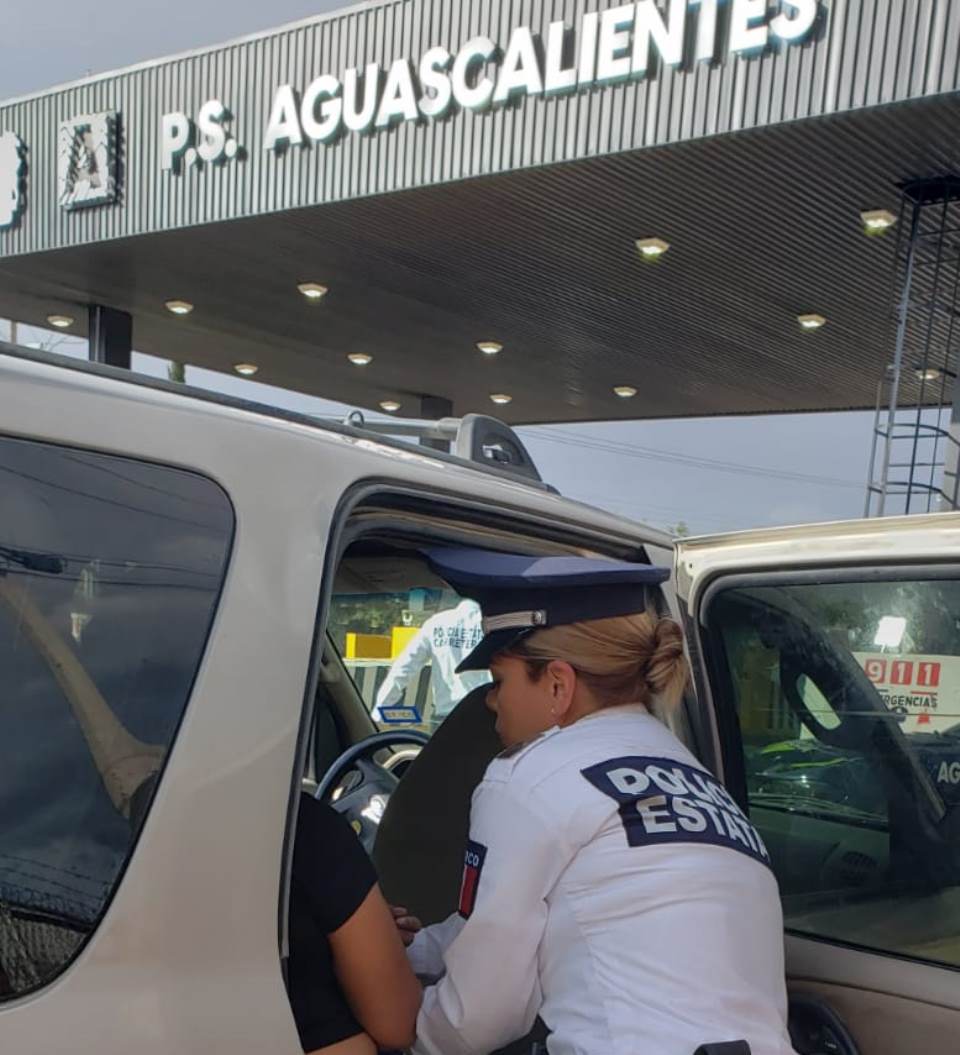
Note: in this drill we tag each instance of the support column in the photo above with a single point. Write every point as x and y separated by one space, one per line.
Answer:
110 336
433 408
950 488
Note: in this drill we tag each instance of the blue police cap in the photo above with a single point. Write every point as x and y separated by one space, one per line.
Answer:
520 594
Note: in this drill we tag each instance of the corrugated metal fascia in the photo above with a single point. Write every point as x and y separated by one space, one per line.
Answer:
865 53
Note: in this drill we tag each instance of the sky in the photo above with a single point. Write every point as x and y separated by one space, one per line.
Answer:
708 474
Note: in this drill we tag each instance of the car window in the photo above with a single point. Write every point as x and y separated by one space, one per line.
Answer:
402 647
109 575
847 696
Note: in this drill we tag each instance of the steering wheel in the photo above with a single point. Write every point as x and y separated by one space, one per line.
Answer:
363 804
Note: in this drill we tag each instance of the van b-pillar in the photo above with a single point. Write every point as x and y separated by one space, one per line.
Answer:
110 336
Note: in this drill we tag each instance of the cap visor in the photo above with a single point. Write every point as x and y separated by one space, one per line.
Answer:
493 643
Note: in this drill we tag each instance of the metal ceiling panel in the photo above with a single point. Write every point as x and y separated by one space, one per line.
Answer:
763 226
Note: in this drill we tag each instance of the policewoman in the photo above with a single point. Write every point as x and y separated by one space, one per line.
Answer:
611 885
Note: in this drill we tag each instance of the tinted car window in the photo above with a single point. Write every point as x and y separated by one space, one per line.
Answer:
110 571
848 700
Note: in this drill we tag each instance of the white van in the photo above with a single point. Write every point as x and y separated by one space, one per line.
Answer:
178 573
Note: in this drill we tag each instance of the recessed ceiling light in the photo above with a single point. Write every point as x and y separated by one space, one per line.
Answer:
811 322
179 307
877 221
391 406
360 358
60 321
490 347
246 369
313 290
930 373
651 249
501 398
625 391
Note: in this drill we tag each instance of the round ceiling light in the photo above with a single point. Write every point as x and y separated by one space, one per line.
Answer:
313 290
501 399
391 406
877 221
246 369
179 307
360 358
625 391
490 347
652 249
811 322
930 373
60 321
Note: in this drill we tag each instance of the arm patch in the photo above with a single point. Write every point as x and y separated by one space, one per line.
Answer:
472 867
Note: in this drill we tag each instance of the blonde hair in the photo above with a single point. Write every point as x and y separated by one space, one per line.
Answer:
627 659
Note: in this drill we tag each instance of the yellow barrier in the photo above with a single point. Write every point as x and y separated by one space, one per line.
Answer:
368 646
400 637
379 646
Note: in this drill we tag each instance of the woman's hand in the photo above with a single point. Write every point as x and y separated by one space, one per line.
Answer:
408 926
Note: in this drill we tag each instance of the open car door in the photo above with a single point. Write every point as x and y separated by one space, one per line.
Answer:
829 660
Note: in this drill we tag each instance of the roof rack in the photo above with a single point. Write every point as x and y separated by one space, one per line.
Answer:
474 437
486 442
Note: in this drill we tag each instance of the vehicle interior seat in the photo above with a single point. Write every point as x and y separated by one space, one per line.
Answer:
421 839
423 834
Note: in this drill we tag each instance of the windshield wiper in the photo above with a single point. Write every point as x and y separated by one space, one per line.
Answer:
820 807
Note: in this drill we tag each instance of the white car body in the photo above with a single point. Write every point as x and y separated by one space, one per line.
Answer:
187 957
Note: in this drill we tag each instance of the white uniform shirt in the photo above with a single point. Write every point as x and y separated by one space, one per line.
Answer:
614 887
444 641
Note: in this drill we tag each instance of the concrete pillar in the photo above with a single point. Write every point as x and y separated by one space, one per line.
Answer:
110 336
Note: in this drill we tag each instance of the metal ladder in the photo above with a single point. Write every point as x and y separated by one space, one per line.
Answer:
914 456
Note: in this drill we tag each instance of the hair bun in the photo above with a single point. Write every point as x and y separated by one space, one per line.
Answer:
667 670
628 659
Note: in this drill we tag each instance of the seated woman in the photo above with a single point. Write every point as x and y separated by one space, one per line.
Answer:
351 988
